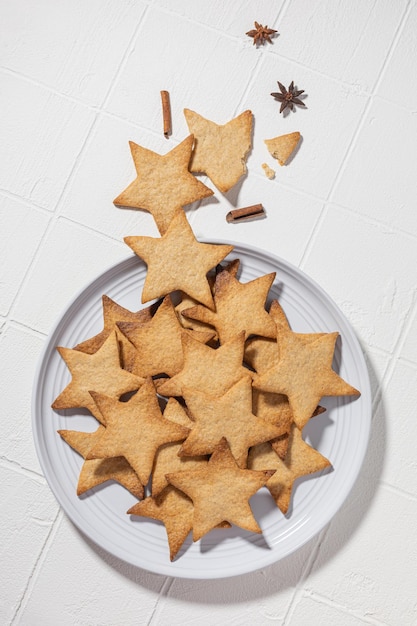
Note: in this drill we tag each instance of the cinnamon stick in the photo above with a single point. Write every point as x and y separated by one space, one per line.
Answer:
166 112
246 213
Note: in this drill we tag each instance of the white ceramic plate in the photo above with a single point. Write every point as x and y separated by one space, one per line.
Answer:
341 434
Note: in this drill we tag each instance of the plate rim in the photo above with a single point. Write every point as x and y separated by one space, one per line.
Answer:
115 268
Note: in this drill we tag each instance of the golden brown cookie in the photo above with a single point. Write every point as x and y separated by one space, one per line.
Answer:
207 368
113 313
134 429
100 372
301 460
304 373
163 184
186 302
174 509
238 307
158 342
167 458
220 151
220 492
282 147
177 261
98 471
227 416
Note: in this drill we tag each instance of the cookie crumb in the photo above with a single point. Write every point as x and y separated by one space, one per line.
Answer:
269 172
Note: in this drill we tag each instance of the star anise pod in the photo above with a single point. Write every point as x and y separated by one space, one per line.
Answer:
288 98
261 34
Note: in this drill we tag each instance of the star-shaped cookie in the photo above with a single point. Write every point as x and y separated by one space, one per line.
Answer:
112 313
100 372
186 302
163 184
227 416
301 460
304 373
220 151
158 342
261 353
206 369
166 458
98 471
238 306
134 429
220 492
174 509
275 409
177 261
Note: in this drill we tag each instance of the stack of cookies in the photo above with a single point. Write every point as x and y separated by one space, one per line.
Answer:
201 396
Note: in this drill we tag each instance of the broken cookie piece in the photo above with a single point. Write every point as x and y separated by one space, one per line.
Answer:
220 151
282 147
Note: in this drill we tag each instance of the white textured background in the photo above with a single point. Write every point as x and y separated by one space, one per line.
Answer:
81 78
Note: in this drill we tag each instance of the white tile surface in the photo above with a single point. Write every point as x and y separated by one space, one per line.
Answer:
78 81
350 44
51 285
361 584
218 16
378 178
41 139
173 67
260 598
72 47
27 513
409 347
105 169
285 231
357 262
325 136
91 587
20 349
20 235
400 67
317 611
395 413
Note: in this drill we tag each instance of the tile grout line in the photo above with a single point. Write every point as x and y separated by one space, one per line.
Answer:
308 247
299 587
396 352
166 586
394 41
252 78
24 471
98 112
22 327
412 311
258 65
37 566
394 355
10 195
336 179
317 597
397 490
356 133
407 361
168 582
55 214
54 217
28 272
371 95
